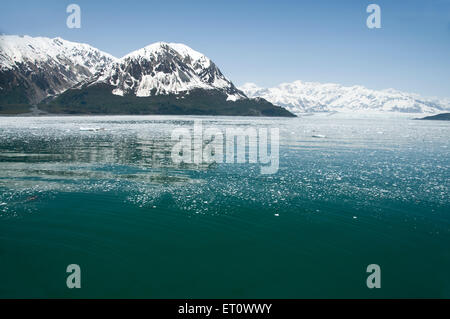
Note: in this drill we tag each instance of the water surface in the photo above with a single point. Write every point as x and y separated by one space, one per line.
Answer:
369 190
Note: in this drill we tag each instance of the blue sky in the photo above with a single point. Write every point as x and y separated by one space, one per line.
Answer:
267 42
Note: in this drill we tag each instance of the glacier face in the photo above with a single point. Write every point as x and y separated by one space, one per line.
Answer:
301 97
37 67
166 68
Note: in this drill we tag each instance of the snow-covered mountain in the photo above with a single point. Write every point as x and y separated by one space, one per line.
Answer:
32 68
300 97
166 68
72 78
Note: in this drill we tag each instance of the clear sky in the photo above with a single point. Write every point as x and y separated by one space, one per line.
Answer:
267 42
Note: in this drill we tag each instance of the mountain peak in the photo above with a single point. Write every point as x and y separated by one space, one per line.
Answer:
167 68
165 47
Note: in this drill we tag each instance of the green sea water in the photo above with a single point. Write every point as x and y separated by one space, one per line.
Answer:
350 191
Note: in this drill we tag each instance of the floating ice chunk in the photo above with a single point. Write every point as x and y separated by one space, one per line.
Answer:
92 129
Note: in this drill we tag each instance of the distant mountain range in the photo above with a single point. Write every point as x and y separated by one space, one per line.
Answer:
60 76
300 97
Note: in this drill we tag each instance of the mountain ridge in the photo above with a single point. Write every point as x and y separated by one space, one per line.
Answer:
303 97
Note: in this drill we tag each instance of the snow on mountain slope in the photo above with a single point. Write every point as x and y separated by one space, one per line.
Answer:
166 68
16 50
300 97
39 67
